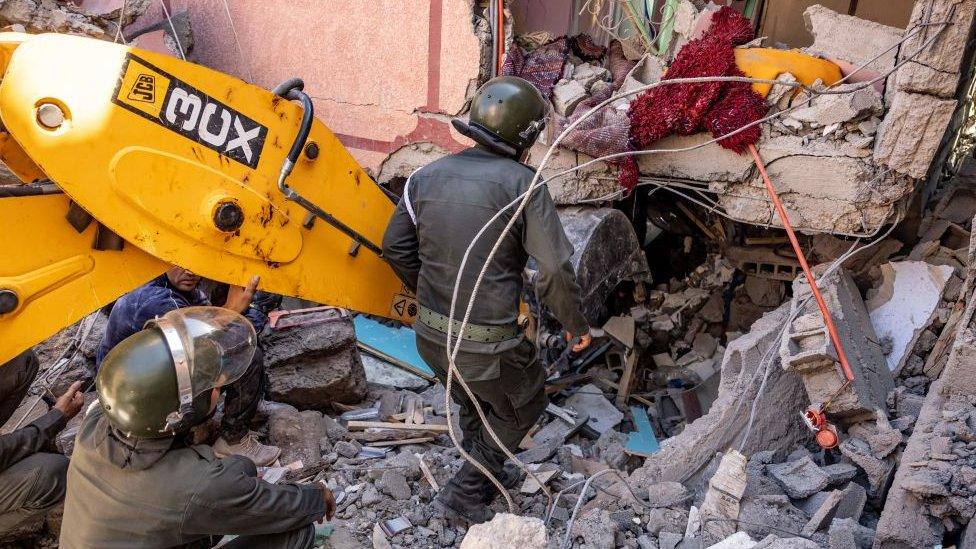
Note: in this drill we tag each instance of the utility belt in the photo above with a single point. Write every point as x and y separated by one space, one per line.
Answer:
472 332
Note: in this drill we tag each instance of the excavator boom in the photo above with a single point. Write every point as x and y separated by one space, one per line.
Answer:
155 160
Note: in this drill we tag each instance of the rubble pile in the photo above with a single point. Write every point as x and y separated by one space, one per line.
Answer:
694 418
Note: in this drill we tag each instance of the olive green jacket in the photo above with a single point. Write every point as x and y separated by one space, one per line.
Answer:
446 203
160 493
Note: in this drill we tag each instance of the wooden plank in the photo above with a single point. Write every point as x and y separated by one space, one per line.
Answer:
626 378
427 474
402 442
362 425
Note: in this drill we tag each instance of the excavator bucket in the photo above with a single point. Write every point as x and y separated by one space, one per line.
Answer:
182 163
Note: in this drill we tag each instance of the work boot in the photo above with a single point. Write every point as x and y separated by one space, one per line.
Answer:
262 455
509 477
463 496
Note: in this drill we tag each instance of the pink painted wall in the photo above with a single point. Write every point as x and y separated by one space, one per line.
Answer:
373 68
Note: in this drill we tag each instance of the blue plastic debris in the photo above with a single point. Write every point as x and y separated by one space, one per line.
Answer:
643 441
396 343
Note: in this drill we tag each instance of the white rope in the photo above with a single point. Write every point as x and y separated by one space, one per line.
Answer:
118 30
237 40
176 36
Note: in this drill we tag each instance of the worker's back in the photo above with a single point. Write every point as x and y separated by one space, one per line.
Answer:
452 200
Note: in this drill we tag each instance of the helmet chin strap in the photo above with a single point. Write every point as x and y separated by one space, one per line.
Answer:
183 417
485 138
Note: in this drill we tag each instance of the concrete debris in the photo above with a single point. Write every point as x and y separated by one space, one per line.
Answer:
799 478
566 95
597 529
312 366
681 457
852 39
838 473
300 435
715 349
603 414
911 132
807 349
738 540
878 470
904 305
506 530
825 110
935 70
724 494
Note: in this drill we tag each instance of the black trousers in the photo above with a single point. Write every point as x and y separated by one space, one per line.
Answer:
512 403
241 400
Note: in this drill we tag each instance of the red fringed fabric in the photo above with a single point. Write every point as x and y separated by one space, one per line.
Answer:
719 107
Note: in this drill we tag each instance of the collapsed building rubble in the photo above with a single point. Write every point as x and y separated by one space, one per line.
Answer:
714 343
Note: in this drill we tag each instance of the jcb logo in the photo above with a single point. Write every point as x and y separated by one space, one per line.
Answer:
144 89
162 98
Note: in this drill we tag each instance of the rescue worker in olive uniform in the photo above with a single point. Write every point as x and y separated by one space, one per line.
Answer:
136 481
443 207
32 479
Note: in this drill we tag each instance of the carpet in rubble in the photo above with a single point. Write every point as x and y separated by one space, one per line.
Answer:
719 107
606 131
542 66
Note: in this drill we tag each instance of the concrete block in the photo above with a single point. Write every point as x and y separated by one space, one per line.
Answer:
839 472
566 95
826 187
800 478
506 530
904 305
877 470
824 514
851 39
911 132
831 109
851 505
707 164
903 522
936 69
807 349
724 494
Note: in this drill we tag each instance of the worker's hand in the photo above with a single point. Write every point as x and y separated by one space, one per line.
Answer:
71 401
239 297
330 502
583 343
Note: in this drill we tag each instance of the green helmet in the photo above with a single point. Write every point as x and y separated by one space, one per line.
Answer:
509 110
158 381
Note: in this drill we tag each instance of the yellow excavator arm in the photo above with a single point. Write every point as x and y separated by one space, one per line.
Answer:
133 160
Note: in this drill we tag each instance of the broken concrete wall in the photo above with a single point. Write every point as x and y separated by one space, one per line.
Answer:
808 350
924 95
930 460
37 16
778 427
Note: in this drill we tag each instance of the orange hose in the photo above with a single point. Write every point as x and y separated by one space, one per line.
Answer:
828 321
500 57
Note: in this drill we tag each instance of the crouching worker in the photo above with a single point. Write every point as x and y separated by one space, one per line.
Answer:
135 481
32 481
